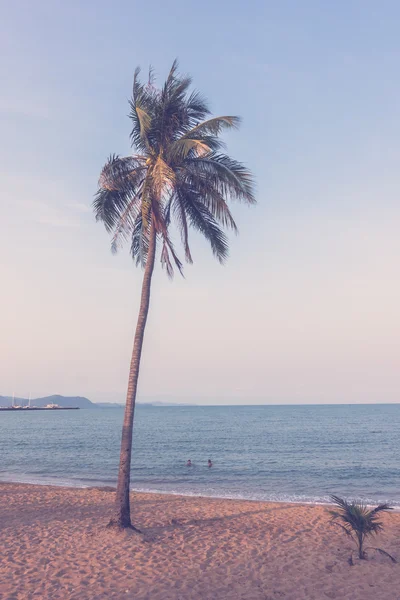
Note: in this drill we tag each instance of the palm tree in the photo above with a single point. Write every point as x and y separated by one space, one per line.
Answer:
359 522
178 172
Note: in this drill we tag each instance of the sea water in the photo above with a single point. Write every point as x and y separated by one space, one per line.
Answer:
277 453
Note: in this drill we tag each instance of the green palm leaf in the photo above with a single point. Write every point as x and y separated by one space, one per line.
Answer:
178 165
214 126
358 521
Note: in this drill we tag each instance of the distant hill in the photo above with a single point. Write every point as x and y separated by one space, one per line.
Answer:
56 399
79 401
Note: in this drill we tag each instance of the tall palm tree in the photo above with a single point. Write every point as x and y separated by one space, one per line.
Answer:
177 172
359 523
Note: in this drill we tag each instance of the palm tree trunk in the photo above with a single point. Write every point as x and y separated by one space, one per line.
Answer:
122 517
360 546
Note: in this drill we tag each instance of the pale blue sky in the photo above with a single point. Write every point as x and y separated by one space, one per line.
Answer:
307 308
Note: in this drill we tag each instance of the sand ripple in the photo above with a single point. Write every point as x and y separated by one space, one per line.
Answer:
54 546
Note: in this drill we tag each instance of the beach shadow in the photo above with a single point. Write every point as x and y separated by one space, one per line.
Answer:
158 501
151 532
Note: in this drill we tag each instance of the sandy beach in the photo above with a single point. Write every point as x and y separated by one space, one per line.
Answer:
55 546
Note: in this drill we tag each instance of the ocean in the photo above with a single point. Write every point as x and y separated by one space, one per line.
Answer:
275 453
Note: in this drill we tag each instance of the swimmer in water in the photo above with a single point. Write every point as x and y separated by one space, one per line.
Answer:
189 463
209 463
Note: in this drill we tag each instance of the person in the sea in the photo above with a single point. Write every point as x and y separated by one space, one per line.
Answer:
189 463
209 463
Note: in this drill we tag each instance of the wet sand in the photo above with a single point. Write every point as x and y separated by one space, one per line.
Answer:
54 545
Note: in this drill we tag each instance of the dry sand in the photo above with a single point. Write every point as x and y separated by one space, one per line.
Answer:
54 545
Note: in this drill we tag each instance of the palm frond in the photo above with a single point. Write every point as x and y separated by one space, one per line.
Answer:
142 106
126 223
184 233
151 77
383 552
144 120
168 248
231 177
381 508
140 241
213 199
122 173
214 126
171 113
357 520
339 501
201 219
345 529
197 110
165 261
175 86
181 221
180 171
182 148
117 201
108 206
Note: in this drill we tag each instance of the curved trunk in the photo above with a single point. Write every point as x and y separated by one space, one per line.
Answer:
122 516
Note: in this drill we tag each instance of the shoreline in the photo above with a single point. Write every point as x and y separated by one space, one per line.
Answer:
56 547
140 490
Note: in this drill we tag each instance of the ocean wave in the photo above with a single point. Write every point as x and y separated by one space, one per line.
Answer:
202 493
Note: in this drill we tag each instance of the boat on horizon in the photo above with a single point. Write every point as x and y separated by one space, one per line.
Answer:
47 407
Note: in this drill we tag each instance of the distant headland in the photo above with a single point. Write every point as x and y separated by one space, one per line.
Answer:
62 401
73 401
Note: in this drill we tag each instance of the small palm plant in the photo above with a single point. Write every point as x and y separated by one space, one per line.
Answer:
359 522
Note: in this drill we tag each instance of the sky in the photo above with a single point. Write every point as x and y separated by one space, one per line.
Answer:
306 310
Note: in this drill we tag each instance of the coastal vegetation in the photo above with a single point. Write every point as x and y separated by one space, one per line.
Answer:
359 522
177 173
